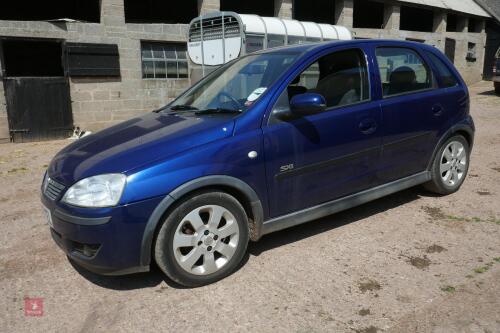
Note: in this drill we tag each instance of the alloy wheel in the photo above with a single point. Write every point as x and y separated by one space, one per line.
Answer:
206 239
453 163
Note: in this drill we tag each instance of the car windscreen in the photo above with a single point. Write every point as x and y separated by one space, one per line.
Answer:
237 85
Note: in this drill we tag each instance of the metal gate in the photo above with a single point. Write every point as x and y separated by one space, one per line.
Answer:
39 108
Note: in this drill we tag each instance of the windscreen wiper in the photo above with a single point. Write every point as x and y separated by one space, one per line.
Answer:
217 110
182 107
179 107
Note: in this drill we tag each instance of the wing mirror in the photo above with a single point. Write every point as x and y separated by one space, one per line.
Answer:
302 105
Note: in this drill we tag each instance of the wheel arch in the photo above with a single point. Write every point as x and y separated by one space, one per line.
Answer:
243 192
466 134
460 129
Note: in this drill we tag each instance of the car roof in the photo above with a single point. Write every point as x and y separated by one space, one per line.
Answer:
303 48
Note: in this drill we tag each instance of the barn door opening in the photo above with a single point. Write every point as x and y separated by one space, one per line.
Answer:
449 49
36 90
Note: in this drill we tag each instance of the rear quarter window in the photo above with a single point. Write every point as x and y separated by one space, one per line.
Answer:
402 71
448 79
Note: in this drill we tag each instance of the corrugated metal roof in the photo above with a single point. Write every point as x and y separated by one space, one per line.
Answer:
464 6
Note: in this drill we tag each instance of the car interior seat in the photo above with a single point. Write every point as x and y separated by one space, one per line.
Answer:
401 80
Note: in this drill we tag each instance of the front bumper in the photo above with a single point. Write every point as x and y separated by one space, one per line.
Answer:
106 241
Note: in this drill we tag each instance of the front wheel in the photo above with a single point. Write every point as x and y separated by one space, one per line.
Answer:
450 166
203 239
497 87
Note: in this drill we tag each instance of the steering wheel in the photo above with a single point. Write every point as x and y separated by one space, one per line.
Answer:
233 100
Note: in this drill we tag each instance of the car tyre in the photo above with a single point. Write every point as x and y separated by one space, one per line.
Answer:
203 239
497 87
450 166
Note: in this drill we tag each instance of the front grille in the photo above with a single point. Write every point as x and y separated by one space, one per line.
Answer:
52 189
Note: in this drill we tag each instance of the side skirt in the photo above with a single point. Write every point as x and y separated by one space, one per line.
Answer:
344 203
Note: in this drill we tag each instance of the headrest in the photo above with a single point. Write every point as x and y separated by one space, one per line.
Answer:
403 74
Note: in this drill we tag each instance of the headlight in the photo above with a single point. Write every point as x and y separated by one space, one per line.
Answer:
96 191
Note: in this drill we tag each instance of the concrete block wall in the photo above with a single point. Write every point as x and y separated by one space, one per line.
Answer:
207 6
471 71
344 10
283 8
101 102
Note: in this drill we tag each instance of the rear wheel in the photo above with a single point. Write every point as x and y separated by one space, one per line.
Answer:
450 166
497 87
203 240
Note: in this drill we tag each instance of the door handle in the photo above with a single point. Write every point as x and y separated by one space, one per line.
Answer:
367 126
437 109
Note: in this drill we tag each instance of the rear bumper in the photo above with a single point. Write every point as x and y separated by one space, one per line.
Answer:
105 241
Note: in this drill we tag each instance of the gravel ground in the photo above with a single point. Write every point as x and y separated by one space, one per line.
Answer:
410 262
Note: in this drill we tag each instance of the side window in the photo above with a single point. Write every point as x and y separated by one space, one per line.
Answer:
275 40
254 43
341 77
444 72
402 71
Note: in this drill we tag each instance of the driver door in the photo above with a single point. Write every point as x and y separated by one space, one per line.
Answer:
318 158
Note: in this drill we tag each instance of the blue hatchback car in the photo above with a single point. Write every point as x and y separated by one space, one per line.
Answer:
268 141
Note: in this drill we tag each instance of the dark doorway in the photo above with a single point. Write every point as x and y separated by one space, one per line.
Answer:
160 11
259 7
36 90
451 23
449 49
473 25
36 10
32 58
491 49
368 14
416 19
319 11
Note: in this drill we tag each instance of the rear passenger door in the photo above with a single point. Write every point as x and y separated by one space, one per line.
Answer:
412 112
453 94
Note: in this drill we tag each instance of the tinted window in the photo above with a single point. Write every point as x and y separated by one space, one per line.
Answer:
447 77
402 71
